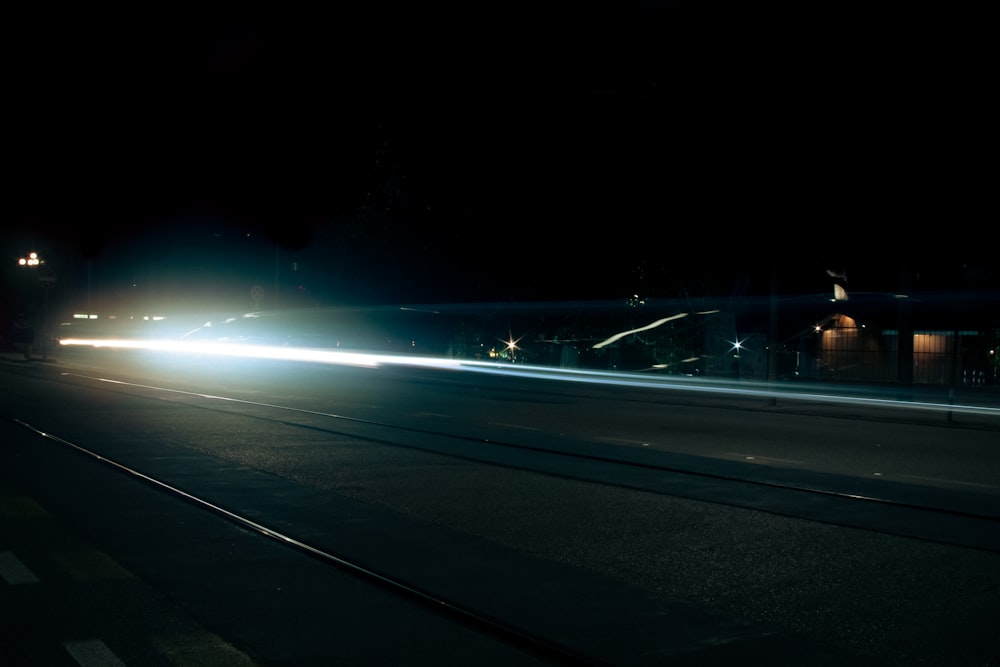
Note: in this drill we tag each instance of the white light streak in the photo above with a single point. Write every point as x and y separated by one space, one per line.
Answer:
653 325
799 392
241 350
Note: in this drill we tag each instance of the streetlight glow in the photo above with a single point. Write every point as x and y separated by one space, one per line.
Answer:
45 280
31 260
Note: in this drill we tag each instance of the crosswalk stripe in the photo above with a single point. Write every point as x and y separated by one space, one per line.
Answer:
13 571
92 653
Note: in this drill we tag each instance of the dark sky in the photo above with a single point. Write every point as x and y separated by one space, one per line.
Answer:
501 153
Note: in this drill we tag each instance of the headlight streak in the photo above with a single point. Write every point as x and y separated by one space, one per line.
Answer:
652 325
241 350
801 393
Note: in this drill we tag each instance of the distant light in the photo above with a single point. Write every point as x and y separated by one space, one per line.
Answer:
31 260
510 345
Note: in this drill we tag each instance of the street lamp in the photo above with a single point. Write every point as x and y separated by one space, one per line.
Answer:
31 260
45 280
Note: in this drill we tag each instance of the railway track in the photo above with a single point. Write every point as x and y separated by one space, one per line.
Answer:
948 518
503 631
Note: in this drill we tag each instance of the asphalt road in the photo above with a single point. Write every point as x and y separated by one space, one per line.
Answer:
447 481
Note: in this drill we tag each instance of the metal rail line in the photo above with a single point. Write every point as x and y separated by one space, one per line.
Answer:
463 614
478 456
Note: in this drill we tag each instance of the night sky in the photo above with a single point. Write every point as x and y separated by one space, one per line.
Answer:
397 155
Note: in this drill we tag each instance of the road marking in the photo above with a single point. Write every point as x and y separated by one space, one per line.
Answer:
92 653
623 441
949 481
201 648
431 414
508 425
13 571
768 459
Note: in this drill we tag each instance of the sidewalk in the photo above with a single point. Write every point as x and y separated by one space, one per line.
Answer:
12 355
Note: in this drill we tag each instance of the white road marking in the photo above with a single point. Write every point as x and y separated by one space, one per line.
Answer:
13 571
623 441
949 481
757 457
508 425
92 653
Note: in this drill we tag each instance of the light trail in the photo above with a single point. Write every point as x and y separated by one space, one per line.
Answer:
764 390
652 325
249 351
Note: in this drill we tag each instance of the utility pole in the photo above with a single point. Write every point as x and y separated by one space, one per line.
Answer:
277 273
904 353
772 343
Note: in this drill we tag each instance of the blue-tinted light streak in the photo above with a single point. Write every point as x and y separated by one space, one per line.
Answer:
800 392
